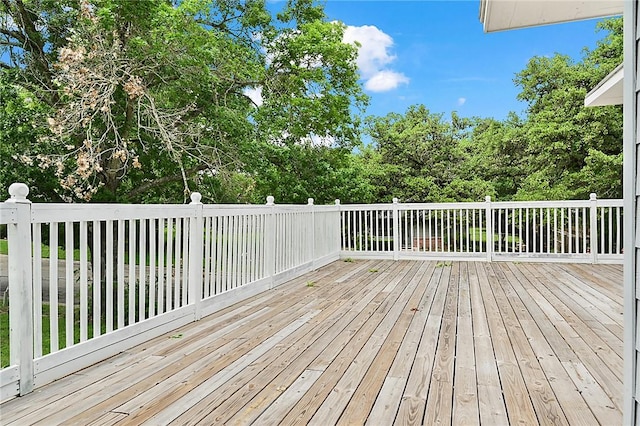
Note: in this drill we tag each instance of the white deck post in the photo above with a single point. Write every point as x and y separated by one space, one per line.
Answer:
593 227
196 235
270 242
396 230
339 235
312 240
489 228
20 287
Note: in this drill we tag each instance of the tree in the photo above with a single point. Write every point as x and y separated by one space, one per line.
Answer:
422 156
18 113
566 141
150 98
496 155
293 173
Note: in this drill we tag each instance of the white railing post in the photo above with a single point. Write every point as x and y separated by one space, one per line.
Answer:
21 287
270 242
312 240
593 227
489 228
196 236
339 229
396 230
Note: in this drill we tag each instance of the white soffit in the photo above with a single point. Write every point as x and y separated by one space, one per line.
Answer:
608 91
498 15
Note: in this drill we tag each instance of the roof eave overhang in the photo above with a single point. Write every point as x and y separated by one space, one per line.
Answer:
500 15
609 91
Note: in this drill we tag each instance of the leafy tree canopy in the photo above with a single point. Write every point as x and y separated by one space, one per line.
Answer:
560 149
146 100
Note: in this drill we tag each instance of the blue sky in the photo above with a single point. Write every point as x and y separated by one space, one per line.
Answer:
435 53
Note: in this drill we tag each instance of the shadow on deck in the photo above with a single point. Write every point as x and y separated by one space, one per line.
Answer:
383 342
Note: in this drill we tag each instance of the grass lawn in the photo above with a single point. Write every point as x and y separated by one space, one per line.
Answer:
46 251
46 341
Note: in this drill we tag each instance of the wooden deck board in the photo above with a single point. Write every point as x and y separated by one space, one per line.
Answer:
490 401
266 388
376 342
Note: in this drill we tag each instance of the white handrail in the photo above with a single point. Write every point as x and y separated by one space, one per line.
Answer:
556 231
133 272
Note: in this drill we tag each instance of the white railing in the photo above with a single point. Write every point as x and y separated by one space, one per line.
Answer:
133 272
570 231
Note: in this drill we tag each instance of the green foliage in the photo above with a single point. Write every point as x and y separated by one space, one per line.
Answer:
559 150
422 157
292 173
568 143
145 101
19 111
161 106
46 331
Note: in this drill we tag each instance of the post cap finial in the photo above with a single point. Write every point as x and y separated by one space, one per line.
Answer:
310 201
270 200
395 200
592 196
337 201
487 198
195 198
18 192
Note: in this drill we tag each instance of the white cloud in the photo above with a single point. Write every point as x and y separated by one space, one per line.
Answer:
374 57
385 80
462 101
372 52
255 94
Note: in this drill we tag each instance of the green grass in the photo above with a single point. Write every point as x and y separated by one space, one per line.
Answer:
46 251
62 254
46 340
480 234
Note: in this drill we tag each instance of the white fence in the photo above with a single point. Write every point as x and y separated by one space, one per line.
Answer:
561 231
133 272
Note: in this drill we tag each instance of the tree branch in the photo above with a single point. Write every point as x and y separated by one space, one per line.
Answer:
163 180
13 34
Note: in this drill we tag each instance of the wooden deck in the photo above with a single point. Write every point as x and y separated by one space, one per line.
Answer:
376 342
